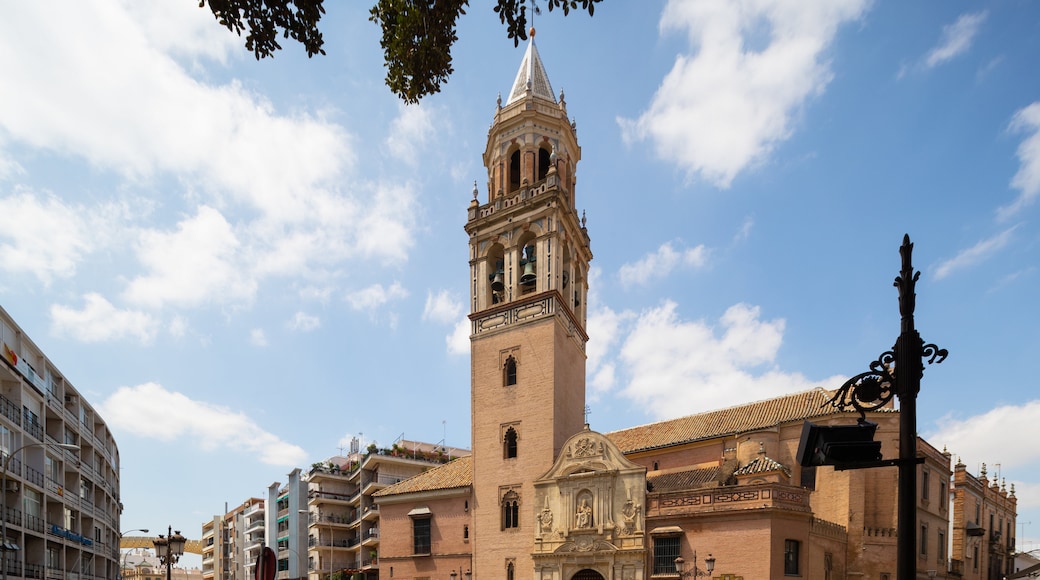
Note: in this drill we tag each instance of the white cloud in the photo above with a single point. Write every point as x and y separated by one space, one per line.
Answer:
753 66
956 38
978 438
303 322
375 296
442 307
152 412
385 231
100 321
45 237
257 337
272 188
409 133
975 254
679 367
178 327
661 263
149 115
458 341
196 263
983 438
1027 178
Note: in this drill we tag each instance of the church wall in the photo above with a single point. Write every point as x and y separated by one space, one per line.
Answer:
451 548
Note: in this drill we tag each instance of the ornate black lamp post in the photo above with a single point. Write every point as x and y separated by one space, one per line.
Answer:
875 388
680 564
169 549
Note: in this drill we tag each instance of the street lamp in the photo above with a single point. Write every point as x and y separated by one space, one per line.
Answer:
4 544
709 566
169 549
875 388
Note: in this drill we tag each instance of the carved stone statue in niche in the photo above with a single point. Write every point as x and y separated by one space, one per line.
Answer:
583 517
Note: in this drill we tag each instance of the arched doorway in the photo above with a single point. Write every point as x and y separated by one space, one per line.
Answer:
587 574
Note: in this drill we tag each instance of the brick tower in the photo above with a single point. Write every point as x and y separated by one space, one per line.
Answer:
529 259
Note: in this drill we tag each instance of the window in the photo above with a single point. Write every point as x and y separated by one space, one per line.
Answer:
511 510
465 532
514 171
924 485
791 554
809 477
283 565
975 557
942 546
942 496
509 446
509 372
924 540
976 512
543 163
420 535
666 550
510 571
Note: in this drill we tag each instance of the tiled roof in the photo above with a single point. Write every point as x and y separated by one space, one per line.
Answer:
762 464
690 479
454 474
739 419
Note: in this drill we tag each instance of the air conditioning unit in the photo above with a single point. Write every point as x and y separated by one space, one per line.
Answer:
14 486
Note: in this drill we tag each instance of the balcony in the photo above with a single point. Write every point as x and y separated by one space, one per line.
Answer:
330 497
371 513
722 499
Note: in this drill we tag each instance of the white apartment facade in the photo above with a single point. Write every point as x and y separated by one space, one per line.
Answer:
62 504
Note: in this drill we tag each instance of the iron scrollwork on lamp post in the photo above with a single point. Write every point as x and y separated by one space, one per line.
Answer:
875 388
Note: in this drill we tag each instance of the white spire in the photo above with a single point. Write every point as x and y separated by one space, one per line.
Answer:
531 76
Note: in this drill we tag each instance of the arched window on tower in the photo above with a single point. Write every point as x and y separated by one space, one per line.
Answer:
510 572
543 163
514 171
509 372
509 444
511 510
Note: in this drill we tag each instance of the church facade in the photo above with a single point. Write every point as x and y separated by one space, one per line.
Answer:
543 497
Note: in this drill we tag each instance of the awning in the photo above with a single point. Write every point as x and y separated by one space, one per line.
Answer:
419 511
667 531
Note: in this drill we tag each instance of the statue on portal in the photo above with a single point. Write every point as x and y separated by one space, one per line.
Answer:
583 516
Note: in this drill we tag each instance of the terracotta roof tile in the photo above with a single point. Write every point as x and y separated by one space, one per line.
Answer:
738 419
689 479
456 473
762 464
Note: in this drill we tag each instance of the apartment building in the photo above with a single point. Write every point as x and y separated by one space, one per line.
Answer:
287 521
62 469
343 518
232 542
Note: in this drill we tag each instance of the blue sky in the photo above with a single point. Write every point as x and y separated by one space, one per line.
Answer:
244 264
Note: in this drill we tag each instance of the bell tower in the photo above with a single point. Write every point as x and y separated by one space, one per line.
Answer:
529 259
